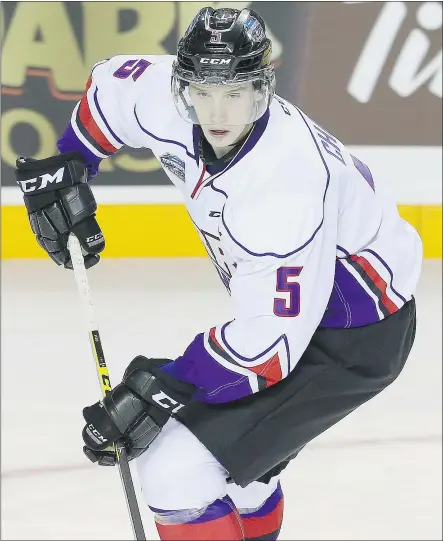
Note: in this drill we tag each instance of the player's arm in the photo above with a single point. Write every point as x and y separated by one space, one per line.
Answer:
56 193
280 289
103 120
279 297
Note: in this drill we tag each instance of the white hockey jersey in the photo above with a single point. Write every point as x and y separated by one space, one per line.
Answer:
295 225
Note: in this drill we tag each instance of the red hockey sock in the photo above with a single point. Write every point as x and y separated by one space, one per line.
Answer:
264 524
220 520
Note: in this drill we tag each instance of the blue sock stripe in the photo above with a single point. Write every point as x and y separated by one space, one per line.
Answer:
217 509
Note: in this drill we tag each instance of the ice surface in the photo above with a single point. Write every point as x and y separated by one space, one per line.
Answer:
375 475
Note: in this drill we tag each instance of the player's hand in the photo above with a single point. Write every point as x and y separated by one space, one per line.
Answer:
121 415
60 201
135 411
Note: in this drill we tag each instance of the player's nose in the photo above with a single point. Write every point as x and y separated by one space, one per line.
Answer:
218 112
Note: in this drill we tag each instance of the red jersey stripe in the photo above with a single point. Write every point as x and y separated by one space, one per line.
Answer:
90 125
377 280
270 370
199 183
212 335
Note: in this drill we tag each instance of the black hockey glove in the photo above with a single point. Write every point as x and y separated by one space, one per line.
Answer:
135 411
60 201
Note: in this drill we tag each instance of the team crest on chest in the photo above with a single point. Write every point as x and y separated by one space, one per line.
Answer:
174 164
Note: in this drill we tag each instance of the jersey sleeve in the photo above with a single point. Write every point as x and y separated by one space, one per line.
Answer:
279 291
103 120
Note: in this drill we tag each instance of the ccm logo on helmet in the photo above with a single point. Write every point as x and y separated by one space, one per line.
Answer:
217 61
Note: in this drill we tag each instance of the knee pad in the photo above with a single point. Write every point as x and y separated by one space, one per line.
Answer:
178 472
264 522
252 496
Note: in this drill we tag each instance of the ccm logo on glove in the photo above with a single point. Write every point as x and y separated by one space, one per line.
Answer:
94 239
60 201
160 398
46 179
95 435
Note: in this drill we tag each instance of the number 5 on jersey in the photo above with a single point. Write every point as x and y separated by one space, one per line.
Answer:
131 67
287 307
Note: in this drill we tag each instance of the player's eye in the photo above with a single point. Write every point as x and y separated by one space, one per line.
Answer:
202 94
234 95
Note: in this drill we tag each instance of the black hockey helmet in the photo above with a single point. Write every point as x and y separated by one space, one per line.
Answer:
224 46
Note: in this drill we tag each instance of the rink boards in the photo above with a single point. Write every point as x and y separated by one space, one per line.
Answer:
151 221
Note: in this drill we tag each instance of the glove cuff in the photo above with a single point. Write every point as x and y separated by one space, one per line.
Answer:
154 367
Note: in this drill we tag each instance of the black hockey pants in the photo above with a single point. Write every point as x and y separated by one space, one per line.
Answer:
254 438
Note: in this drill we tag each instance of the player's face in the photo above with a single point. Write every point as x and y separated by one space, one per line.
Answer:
223 112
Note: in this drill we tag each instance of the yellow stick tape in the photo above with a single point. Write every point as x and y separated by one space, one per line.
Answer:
167 231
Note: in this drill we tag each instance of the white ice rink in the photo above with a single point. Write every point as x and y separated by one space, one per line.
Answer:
375 475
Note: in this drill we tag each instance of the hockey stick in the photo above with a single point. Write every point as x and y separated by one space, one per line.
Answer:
105 383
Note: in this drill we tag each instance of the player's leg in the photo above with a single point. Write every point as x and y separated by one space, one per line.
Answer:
261 508
340 370
186 488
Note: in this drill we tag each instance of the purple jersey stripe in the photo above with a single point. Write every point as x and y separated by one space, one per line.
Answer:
262 354
350 305
104 118
269 505
216 383
216 348
182 145
257 131
229 348
69 142
343 250
195 142
364 171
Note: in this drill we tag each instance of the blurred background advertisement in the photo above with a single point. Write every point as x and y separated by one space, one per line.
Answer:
374 74
369 72
49 48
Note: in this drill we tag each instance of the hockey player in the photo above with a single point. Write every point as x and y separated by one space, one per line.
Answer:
320 267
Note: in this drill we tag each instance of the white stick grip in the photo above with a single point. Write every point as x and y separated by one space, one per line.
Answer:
81 279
